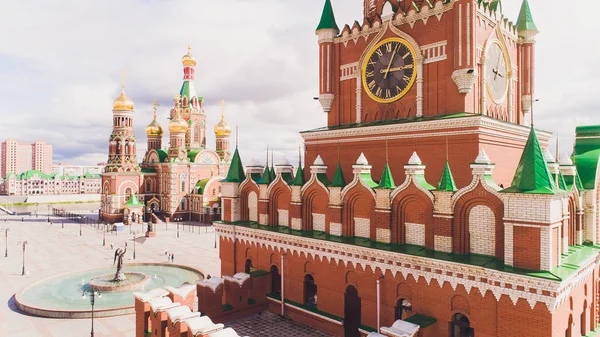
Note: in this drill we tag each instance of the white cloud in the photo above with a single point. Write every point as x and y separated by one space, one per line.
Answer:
60 65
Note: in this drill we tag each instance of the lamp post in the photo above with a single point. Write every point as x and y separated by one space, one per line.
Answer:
24 244
104 235
79 227
92 293
178 219
6 230
134 234
48 212
36 209
215 230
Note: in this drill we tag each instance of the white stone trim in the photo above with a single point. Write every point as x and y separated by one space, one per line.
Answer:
398 263
348 71
435 52
410 180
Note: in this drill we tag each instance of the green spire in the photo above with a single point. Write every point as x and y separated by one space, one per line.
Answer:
266 178
525 21
387 181
236 169
446 180
327 18
338 178
299 179
532 175
272 174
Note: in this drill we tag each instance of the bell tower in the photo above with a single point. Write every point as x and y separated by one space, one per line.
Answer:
222 133
122 143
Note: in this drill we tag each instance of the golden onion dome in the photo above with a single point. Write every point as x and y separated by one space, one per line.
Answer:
188 59
154 129
123 103
222 129
178 124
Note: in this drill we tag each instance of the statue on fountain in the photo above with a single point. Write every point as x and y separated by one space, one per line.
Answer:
120 275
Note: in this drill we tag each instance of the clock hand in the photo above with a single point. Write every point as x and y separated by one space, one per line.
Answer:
391 61
408 66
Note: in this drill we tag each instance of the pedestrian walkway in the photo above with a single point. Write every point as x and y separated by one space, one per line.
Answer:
268 324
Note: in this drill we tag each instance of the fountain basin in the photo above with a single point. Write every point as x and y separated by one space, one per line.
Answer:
61 296
107 284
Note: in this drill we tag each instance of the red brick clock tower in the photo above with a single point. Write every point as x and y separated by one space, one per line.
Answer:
416 75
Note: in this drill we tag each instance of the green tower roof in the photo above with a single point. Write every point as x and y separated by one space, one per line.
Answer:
133 202
272 174
338 178
532 175
525 21
387 181
236 169
328 18
266 177
299 179
446 180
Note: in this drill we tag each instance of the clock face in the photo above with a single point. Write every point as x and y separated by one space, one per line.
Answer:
389 70
496 73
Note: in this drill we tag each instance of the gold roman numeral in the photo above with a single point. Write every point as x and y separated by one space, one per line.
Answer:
406 78
406 55
379 52
398 89
388 94
378 92
370 74
371 85
388 47
372 63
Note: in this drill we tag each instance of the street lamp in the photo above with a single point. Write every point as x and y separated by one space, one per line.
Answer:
6 230
178 219
24 244
104 235
36 209
80 227
92 293
215 230
48 212
134 234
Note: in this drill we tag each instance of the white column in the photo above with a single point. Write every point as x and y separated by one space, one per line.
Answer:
282 288
378 305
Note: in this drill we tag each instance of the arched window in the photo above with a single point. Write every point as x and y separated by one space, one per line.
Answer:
148 185
275 280
461 327
214 192
182 179
402 307
310 291
128 192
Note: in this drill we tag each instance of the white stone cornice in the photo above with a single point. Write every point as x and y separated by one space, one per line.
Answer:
489 126
549 292
407 182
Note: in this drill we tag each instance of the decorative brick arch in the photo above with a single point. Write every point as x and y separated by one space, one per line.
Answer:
248 190
315 202
572 223
358 203
280 198
412 206
479 196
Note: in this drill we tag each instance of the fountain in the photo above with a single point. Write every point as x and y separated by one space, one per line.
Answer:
60 296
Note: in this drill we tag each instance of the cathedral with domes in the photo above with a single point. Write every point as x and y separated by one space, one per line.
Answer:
178 180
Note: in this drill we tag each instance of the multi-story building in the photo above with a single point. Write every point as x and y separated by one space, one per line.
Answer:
381 231
34 182
20 157
182 180
77 170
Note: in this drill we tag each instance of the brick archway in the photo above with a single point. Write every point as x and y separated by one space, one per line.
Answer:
462 209
358 204
279 200
245 202
315 210
413 207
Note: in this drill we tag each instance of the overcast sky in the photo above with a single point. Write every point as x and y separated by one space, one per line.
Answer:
61 62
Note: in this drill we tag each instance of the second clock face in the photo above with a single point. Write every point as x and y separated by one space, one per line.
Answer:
496 73
389 70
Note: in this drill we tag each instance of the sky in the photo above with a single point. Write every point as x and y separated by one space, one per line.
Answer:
61 64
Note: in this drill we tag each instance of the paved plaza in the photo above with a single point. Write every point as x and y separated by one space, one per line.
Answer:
54 250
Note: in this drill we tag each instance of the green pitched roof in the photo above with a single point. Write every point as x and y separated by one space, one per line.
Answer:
532 175
133 202
559 181
236 169
338 178
162 155
573 180
299 179
447 181
272 174
387 181
193 154
188 90
587 152
201 184
328 18
525 21
266 177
